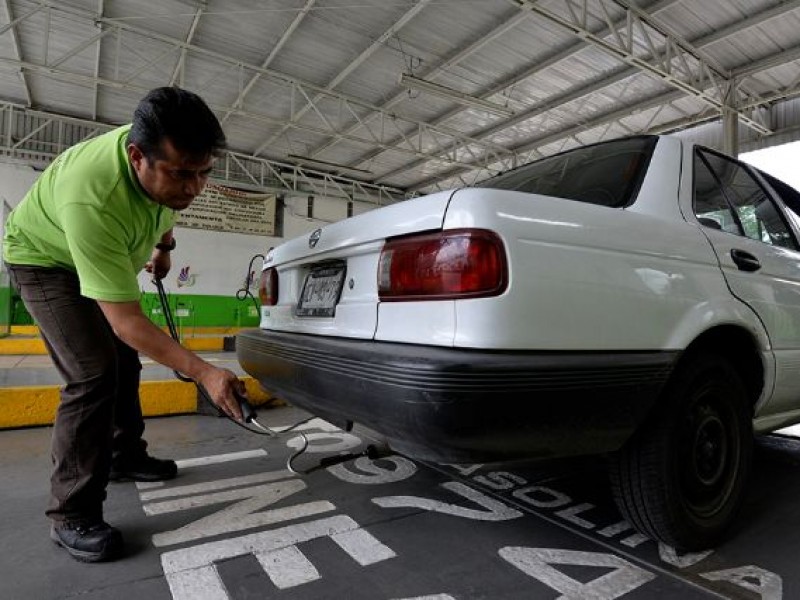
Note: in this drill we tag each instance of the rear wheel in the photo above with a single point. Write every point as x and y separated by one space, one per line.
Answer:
681 479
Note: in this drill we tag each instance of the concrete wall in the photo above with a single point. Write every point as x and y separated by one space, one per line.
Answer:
15 179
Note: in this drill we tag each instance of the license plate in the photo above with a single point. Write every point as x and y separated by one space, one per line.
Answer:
321 291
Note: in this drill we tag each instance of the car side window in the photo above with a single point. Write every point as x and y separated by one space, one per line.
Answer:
788 195
758 216
710 205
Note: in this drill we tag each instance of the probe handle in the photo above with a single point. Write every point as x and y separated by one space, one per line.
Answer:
248 412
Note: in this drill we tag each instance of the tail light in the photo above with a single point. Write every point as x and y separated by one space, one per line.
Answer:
268 287
458 263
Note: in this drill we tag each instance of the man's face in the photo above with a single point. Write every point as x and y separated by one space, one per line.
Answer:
173 179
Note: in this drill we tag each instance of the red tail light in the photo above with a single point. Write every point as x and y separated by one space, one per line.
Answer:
268 287
458 263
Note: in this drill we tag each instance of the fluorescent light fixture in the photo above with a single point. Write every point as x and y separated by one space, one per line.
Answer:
415 83
326 165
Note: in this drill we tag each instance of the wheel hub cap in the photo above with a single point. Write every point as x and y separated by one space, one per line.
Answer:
710 450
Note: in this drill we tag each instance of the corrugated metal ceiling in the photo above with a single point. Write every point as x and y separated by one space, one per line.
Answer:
319 80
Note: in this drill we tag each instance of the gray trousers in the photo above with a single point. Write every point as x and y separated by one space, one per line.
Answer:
99 415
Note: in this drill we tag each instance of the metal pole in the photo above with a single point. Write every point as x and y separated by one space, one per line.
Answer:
730 122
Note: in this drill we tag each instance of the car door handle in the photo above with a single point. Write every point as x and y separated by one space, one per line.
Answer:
745 261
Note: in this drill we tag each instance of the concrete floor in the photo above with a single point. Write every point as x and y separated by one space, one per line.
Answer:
236 524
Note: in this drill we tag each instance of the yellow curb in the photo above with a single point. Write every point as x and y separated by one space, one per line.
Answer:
204 344
36 345
36 405
24 330
257 394
23 406
22 346
160 398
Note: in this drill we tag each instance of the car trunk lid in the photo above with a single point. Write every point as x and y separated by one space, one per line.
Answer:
327 280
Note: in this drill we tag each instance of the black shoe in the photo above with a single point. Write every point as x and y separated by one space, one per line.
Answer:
88 541
142 467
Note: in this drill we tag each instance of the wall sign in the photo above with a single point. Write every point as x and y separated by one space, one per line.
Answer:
222 208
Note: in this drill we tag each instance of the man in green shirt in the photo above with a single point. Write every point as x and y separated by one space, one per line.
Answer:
100 212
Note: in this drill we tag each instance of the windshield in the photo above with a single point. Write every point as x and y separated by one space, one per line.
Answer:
607 174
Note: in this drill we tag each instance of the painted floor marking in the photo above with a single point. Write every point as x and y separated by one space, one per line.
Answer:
271 490
538 563
210 486
215 459
247 513
219 458
191 572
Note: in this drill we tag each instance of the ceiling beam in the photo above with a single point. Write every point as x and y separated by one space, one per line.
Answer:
352 66
457 57
568 132
535 110
773 61
600 120
278 176
496 152
273 53
768 62
625 72
674 61
97 56
437 143
197 4
778 59
81 46
18 52
653 9
529 71
759 18
12 23
180 65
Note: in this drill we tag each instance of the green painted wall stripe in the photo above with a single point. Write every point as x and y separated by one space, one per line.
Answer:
203 311
188 310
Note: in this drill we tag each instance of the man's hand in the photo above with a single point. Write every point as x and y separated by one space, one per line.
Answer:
220 385
159 264
135 329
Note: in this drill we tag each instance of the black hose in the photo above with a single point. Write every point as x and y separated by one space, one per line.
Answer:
243 293
248 413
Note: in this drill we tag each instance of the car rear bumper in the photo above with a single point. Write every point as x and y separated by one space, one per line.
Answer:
455 405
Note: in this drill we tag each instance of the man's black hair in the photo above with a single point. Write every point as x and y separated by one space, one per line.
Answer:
180 116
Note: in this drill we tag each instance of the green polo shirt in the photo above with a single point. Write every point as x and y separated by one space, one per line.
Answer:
87 213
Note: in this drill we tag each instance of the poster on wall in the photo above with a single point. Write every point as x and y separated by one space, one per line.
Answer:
222 208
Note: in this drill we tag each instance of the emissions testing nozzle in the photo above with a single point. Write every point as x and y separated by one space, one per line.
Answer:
248 412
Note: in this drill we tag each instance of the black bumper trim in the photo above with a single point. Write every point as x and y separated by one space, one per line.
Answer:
456 404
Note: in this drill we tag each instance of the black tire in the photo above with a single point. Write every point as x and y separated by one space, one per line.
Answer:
681 478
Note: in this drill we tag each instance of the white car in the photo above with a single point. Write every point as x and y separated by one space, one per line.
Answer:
639 298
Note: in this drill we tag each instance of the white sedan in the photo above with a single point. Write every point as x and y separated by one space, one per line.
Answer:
638 297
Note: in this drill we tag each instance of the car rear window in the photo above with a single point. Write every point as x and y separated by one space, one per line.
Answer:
607 174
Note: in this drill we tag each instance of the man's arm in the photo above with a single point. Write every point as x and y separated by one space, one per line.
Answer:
167 238
135 329
160 262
